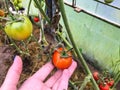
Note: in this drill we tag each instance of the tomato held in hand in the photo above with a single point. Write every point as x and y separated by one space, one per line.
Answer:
104 87
61 59
20 29
108 1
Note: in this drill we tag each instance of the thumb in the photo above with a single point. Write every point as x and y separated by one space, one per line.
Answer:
13 75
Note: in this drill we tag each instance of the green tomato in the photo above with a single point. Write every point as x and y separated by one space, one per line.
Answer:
20 5
19 1
17 8
15 2
41 3
108 1
19 30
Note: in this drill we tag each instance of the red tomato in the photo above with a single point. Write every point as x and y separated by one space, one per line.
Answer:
96 75
60 61
36 19
110 83
104 87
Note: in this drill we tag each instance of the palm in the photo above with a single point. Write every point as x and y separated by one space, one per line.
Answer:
59 81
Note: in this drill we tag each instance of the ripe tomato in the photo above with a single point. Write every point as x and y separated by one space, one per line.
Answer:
96 75
60 61
2 13
110 83
19 30
36 19
108 1
104 87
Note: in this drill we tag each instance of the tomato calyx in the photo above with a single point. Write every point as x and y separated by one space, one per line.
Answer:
64 53
15 20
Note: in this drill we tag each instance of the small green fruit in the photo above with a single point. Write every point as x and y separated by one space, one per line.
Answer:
108 1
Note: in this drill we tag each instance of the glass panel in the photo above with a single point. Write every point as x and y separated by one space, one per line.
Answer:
115 3
100 9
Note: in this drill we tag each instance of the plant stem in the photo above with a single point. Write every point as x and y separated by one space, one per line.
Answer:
61 3
116 79
18 49
29 7
67 43
7 4
42 12
73 85
86 80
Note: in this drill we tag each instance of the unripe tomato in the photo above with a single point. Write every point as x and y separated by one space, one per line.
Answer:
20 5
41 3
108 1
59 61
19 30
15 2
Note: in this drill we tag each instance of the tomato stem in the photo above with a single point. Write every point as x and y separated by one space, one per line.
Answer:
67 43
42 12
29 7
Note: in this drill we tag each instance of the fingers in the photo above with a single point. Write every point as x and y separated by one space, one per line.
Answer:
51 81
13 75
42 73
72 68
62 83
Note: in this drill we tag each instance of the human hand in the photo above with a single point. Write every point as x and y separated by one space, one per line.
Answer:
59 81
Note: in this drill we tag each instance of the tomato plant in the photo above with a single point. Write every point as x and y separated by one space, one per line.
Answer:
61 59
104 86
19 29
96 75
108 1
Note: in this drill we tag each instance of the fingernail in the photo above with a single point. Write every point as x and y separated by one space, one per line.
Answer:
15 57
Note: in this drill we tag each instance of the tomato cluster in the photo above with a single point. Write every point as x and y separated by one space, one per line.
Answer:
17 4
61 59
104 81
